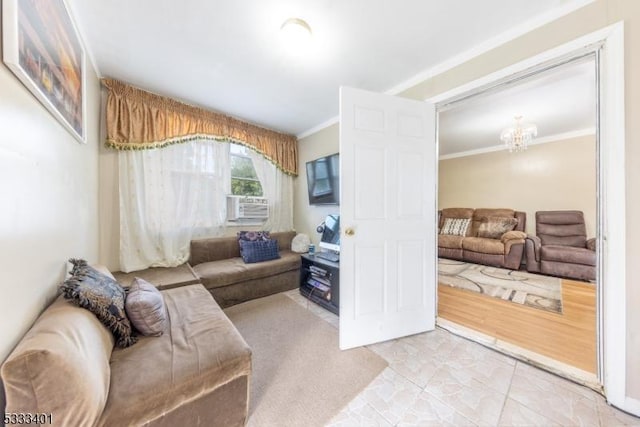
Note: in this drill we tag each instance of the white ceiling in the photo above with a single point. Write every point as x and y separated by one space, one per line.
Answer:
559 101
228 56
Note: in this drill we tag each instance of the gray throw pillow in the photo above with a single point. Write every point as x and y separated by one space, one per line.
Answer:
145 308
101 295
494 227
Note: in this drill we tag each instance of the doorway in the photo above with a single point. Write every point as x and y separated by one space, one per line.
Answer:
608 46
486 282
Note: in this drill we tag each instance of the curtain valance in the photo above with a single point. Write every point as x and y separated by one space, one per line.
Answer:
137 119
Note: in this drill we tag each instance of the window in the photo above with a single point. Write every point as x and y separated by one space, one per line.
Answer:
244 181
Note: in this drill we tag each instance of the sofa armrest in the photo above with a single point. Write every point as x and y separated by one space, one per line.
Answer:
513 235
532 253
509 244
591 244
535 243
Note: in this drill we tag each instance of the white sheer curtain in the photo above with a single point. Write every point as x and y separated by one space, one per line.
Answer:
169 196
278 189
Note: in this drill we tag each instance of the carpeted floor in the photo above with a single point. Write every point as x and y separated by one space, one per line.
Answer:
300 376
533 290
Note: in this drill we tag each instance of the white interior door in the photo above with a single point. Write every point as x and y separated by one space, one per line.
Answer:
387 217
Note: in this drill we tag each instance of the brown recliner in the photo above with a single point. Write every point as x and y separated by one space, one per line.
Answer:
560 247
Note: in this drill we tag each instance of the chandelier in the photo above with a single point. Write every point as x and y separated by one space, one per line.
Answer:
517 138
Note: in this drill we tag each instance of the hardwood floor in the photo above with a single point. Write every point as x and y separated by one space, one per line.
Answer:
569 337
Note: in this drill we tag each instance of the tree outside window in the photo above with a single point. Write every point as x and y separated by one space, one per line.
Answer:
244 181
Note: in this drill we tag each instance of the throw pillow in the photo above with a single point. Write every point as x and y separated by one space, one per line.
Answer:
101 295
145 307
252 236
455 226
300 243
494 227
259 250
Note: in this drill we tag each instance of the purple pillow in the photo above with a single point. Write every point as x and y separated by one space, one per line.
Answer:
259 250
145 308
252 236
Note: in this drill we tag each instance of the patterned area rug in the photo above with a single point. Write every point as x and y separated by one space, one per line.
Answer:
533 290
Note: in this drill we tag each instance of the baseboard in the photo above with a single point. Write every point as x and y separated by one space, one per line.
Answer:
632 406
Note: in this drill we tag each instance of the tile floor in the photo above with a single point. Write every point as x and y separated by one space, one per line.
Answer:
439 379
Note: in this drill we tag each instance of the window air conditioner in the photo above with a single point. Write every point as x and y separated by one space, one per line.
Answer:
244 207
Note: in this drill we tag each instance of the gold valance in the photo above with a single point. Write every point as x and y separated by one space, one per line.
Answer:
137 119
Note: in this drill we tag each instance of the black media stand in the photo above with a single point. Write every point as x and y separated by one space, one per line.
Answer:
320 282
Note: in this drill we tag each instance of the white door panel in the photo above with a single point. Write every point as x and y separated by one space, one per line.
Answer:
369 172
387 173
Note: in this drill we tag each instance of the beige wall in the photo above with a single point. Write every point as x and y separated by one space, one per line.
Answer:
306 217
48 188
554 176
109 227
583 21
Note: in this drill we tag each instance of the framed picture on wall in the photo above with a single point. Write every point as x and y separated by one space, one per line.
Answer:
42 47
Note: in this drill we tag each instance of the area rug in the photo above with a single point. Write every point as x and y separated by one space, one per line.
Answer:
300 376
532 290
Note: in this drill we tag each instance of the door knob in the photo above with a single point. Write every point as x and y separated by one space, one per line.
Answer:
349 231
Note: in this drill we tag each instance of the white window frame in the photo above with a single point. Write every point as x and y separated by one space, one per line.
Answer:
231 177
243 222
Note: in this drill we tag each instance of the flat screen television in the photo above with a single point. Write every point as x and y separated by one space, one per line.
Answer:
331 233
323 180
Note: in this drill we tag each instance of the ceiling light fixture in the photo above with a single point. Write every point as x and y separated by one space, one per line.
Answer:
517 138
296 32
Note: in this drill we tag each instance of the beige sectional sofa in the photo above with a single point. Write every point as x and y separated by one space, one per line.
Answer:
197 373
217 263
505 251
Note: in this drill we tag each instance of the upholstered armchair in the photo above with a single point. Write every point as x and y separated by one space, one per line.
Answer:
560 247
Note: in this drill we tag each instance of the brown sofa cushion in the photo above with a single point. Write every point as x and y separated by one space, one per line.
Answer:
562 228
449 241
494 227
229 271
480 244
201 352
61 366
221 248
145 308
567 254
480 213
566 235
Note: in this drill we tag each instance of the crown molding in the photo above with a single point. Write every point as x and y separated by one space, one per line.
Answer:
490 44
551 138
482 48
319 127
